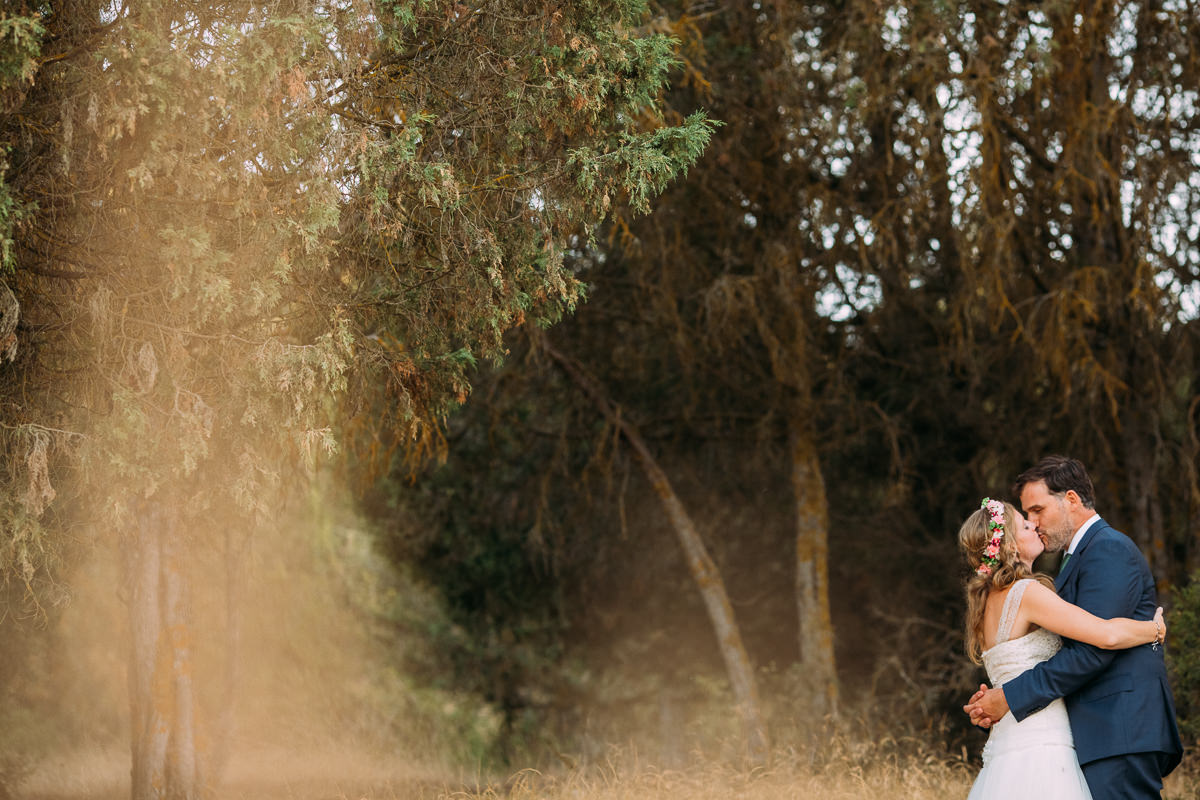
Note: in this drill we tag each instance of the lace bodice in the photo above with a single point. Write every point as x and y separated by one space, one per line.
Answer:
1007 659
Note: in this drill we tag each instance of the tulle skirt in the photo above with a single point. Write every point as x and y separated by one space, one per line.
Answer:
1031 760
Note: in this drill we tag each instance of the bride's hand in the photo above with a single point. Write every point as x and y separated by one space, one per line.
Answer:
1161 624
972 709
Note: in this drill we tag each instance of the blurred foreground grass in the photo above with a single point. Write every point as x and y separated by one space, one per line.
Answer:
897 770
705 782
324 777
916 776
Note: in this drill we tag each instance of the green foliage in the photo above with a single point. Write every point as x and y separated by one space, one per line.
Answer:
640 166
941 264
20 46
1183 656
470 185
496 641
12 212
272 212
250 232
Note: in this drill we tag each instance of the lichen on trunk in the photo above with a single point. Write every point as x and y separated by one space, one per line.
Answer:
162 703
817 658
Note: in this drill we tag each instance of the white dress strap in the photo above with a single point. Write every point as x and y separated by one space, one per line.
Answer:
1008 614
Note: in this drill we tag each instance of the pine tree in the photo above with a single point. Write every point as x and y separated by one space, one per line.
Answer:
229 227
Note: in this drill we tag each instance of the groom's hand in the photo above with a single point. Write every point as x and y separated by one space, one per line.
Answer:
972 708
987 706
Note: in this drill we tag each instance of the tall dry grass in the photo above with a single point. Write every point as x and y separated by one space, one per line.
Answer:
839 767
902 769
784 779
914 776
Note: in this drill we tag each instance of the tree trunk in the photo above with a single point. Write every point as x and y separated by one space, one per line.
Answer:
812 574
181 764
147 699
212 767
712 589
1141 443
162 709
700 564
1192 457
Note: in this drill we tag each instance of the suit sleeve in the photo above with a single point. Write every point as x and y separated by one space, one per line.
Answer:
1108 584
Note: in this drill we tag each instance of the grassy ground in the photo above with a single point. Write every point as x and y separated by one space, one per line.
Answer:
313 780
902 778
779 782
331 775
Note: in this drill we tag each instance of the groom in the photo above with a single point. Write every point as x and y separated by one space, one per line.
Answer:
1121 710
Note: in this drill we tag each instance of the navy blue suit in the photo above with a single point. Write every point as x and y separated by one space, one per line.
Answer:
1121 709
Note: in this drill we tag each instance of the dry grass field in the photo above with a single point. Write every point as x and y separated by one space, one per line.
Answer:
346 777
855 772
313 728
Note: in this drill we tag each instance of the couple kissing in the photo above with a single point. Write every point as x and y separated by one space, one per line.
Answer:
1080 706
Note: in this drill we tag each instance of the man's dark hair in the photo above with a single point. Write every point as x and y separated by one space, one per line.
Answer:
1061 474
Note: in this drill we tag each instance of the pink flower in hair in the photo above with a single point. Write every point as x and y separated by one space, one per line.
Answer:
991 553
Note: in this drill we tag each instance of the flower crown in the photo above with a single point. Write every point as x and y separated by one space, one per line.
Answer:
991 553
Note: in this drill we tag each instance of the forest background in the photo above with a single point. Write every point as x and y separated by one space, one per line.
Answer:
492 384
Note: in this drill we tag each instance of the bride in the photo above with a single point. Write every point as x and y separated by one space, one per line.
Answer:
1014 621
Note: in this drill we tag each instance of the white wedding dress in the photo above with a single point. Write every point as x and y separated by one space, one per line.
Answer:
1034 758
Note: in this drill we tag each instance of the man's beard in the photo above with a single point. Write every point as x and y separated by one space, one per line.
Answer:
1058 540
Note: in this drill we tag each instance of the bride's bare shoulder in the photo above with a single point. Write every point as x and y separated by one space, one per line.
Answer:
993 607
1038 592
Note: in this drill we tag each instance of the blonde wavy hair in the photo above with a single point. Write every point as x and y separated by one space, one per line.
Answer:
973 537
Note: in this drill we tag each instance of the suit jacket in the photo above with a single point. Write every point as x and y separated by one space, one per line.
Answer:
1118 701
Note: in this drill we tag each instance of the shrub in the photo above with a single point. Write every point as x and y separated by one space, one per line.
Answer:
1183 656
